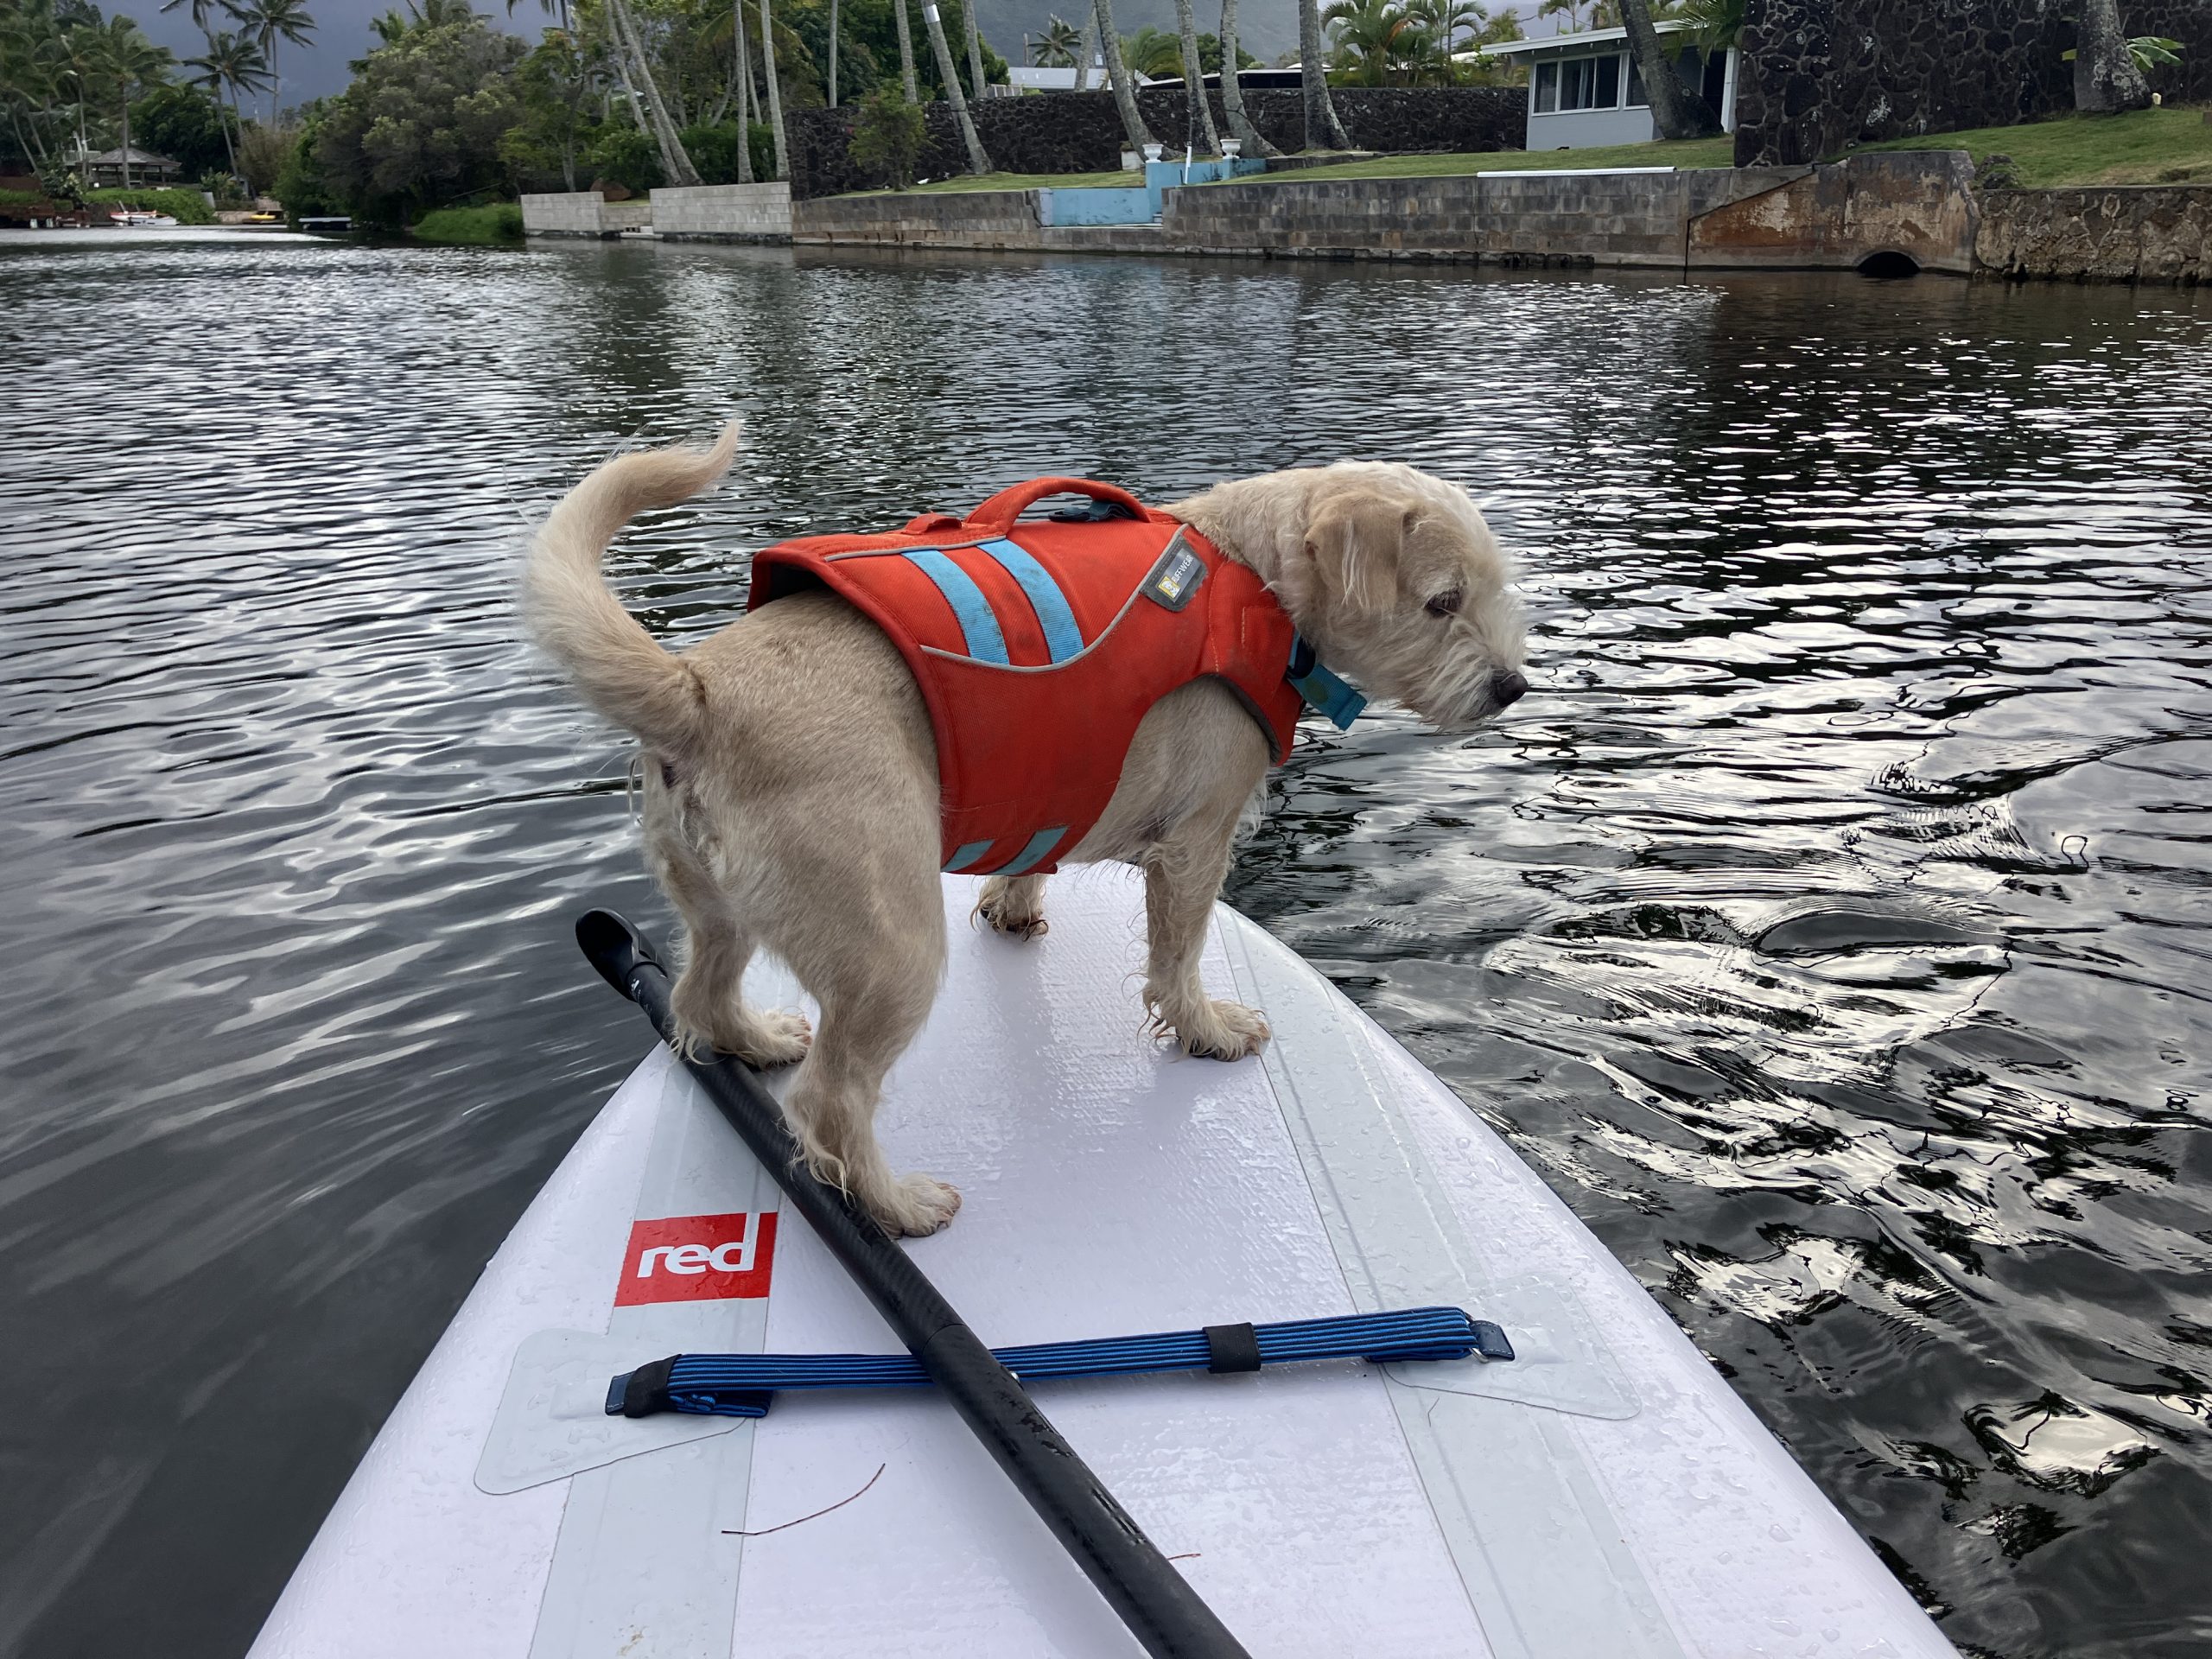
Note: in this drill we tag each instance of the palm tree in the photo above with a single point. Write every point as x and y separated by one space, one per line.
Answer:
2106 78
1439 22
231 60
1152 53
975 50
1232 90
1117 76
1373 39
833 54
1194 81
978 161
637 75
122 56
1322 127
1679 111
1087 50
268 21
1056 46
775 96
905 52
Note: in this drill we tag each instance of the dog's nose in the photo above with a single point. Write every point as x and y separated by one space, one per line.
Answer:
1508 686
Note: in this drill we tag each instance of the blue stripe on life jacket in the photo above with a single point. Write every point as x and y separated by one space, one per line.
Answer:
1062 638
979 624
964 857
1034 852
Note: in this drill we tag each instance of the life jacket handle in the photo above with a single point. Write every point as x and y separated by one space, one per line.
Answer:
999 513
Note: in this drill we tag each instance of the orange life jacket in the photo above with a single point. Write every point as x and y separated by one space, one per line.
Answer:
1039 646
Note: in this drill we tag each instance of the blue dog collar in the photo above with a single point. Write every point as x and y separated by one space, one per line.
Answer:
1322 689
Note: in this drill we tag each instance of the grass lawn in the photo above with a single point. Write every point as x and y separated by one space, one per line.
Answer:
1688 152
960 184
2163 146
495 224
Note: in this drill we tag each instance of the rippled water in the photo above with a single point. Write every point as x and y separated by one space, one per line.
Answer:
1829 925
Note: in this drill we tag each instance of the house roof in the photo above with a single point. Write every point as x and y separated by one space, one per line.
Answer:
1588 37
114 158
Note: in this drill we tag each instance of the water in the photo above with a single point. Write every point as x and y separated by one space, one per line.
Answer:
1828 926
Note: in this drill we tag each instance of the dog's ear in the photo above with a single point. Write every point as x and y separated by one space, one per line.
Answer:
1355 538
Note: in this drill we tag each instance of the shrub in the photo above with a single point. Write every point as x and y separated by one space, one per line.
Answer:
887 139
626 155
224 189
493 224
714 150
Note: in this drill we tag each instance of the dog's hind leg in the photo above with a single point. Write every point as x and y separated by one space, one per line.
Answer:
708 998
1015 905
874 964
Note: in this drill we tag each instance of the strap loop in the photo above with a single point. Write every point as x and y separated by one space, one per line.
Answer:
1231 1348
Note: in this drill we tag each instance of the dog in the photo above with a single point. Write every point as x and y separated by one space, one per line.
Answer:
791 781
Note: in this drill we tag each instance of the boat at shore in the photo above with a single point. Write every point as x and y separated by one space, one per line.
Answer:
139 218
1601 1492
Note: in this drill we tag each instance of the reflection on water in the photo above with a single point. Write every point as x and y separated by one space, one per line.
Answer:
1828 925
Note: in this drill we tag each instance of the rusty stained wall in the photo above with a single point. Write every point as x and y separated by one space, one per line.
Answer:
1919 203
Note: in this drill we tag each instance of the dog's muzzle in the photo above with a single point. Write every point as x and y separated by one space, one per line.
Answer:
1508 687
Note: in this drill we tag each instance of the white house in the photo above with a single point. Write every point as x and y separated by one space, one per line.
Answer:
1585 89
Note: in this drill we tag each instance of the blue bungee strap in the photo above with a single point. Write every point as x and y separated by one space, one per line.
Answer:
743 1385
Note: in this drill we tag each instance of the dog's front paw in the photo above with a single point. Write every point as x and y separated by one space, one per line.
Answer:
916 1206
1218 1031
776 1037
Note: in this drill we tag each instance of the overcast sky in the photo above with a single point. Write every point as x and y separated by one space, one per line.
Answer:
342 33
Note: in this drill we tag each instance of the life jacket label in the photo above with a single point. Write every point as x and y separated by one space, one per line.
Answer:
698 1259
1176 577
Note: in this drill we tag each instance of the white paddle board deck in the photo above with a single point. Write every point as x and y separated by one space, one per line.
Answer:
1604 1494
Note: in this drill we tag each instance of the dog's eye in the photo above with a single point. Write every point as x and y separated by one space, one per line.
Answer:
1444 605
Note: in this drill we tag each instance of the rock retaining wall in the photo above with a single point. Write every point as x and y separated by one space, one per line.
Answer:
2147 234
1819 75
1080 132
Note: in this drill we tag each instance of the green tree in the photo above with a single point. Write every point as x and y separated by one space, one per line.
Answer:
231 61
887 139
125 64
1056 48
266 23
1375 41
262 154
1153 52
184 124
422 122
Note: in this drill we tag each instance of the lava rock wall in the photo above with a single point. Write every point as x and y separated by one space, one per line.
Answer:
1080 132
1820 75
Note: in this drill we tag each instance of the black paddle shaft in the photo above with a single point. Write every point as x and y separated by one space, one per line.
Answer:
1162 1611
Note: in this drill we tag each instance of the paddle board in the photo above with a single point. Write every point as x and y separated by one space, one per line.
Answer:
1603 1493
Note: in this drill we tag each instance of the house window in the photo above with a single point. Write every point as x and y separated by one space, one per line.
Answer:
1547 88
1587 84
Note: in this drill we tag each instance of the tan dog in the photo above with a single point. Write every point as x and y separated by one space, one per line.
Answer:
790 782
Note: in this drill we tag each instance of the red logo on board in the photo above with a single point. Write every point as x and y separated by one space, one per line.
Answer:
698 1259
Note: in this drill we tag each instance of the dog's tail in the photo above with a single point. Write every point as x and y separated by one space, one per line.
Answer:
616 664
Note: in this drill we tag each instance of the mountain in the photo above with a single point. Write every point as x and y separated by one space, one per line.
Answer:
1267 28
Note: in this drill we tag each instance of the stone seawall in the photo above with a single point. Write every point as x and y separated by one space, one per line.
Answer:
582 212
2144 233
723 212
1916 207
